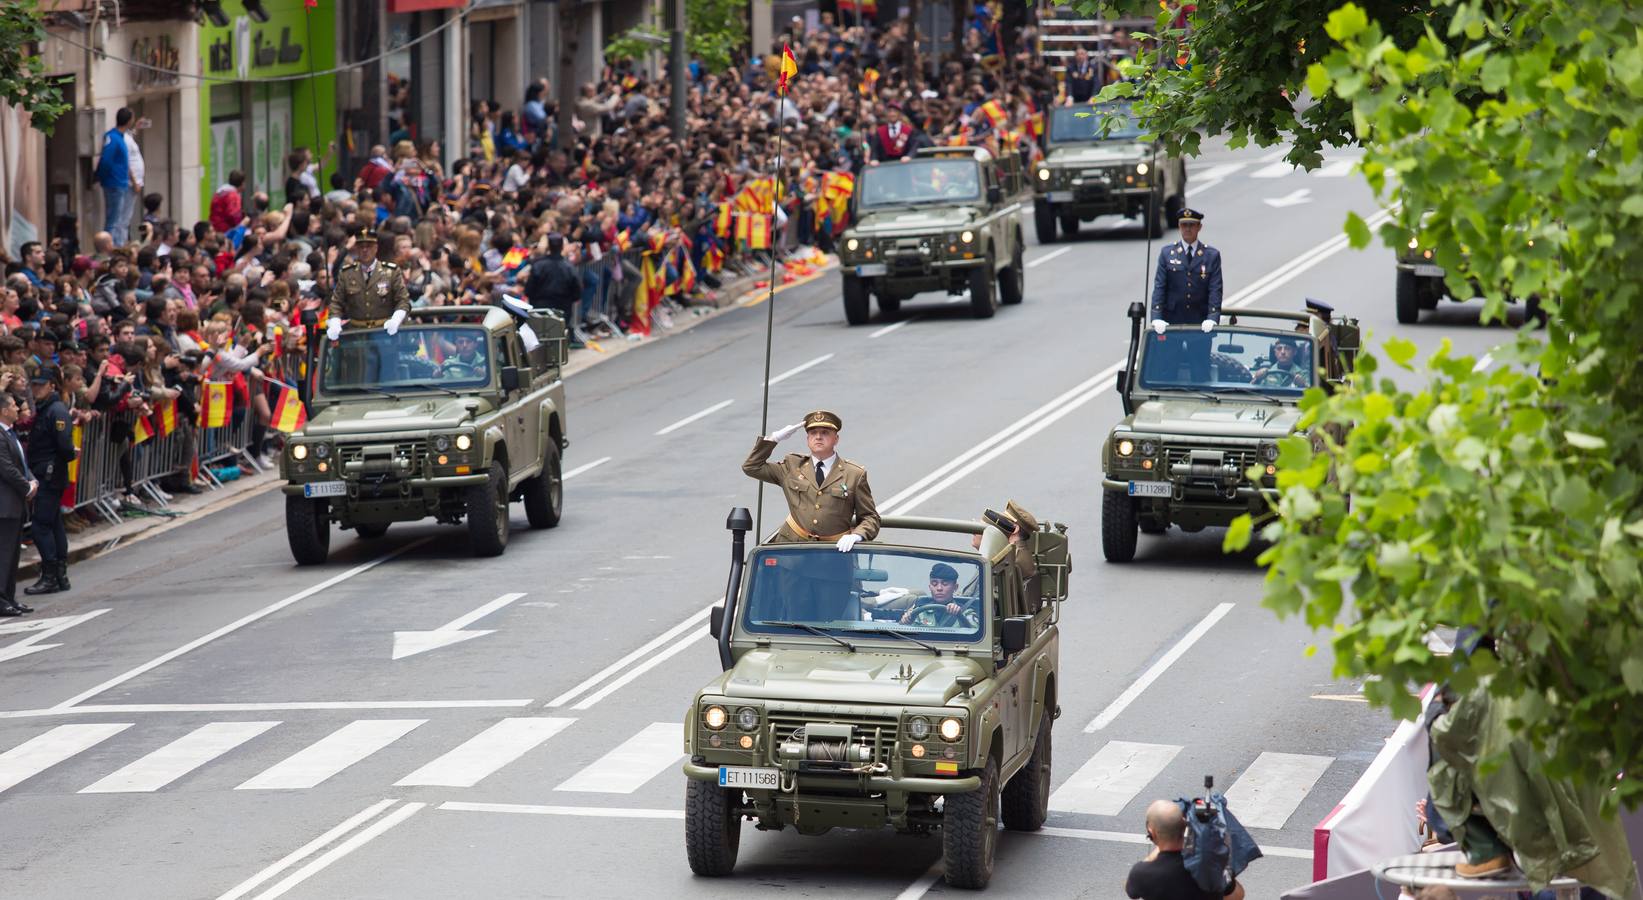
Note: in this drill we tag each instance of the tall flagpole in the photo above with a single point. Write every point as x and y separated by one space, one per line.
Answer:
770 298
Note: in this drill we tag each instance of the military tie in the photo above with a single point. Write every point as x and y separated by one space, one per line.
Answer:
821 473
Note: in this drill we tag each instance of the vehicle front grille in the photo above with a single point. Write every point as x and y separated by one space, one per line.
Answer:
786 722
415 450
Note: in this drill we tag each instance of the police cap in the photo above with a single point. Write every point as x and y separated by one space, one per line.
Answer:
1188 214
1022 517
1319 308
821 418
944 572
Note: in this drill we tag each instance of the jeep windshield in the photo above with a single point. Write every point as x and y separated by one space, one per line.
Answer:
1229 362
920 181
416 359
926 595
1085 122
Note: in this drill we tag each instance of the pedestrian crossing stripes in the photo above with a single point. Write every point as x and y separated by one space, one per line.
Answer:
486 752
1269 791
178 758
1112 777
40 753
331 754
642 757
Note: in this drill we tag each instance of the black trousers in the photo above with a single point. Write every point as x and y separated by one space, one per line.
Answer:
10 550
50 537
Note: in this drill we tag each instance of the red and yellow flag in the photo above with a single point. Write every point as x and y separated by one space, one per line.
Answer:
289 413
74 466
996 116
790 67
217 405
758 231
721 220
141 430
624 240
168 417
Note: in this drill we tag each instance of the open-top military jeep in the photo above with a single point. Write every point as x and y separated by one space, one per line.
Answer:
450 418
856 696
1203 414
940 220
1091 171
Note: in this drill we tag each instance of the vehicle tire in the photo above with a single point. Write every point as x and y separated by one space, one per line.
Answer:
969 832
713 830
1027 796
855 300
1118 526
545 491
1534 312
1044 221
1012 282
1069 226
1408 299
983 300
308 529
488 512
1154 218
371 532
889 305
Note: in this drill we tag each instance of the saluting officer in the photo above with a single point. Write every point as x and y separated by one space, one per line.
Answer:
50 450
827 495
1186 290
369 292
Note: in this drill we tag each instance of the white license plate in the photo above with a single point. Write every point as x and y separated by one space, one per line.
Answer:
745 777
1151 489
1425 271
871 269
1061 196
325 489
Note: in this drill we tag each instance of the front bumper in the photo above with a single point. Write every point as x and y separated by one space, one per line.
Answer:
358 490
870 784
1421 269
1195 495
1095 199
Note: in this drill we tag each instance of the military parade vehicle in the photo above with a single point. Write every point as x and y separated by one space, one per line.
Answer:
1203 414
1421 286
450 418
1088 171
855 696
940 220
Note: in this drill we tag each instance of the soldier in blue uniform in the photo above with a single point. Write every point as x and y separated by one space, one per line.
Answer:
1186 290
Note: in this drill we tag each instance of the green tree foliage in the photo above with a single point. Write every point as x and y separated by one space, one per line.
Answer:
715 30
22 81
1509 498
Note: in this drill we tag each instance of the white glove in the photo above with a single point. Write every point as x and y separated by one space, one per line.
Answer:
1208 325
1159 325
399 316
782 434
848 541
333 330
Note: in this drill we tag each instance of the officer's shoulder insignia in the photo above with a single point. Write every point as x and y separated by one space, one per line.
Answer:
388 265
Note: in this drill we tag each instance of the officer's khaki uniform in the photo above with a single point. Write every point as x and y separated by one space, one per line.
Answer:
843 505
367 301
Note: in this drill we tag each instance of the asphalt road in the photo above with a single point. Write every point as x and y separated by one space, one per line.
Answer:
210 721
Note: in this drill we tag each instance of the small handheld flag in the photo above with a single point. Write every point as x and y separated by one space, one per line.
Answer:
790 67
168 417
215 410
141 430
289 413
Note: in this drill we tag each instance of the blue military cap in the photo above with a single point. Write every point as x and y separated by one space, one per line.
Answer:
1188 214
1319 308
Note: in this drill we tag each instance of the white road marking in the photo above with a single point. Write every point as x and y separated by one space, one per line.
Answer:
1217 172
360 839
691 418
1111 778
410 643
331 754
1336 168
1269 791
290 859
643 650
584 468
1293 198
1275 170
483 754
1032 264
130 708
892 327
924 883
178 758
654 750
42 629
529 809
797 369
239 623
1117 706
1275 155
1484 362
43 751
640 669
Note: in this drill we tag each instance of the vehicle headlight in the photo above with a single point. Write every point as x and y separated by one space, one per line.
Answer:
1149 448
747 718
299 451
918 728
1043 174
1140 168
442 443
1269 453
852 244
1414 243
967 236
1126 447
951 730
464 441
714 717
322 450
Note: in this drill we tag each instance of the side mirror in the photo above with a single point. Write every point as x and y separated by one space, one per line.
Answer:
510 378
1123 381
716 620
850 209
1014 634
995 194
1230 348
1137 310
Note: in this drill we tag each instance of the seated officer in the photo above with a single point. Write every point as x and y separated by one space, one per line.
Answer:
468 361
1285 369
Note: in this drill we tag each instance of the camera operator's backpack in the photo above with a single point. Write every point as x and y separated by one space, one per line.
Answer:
1217 847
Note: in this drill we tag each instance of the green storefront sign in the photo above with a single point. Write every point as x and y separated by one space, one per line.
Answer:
251 122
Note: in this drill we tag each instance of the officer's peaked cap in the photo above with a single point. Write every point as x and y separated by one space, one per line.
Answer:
821 418
1189 214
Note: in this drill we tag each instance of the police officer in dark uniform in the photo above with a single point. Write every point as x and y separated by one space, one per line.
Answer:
50 450
1186 290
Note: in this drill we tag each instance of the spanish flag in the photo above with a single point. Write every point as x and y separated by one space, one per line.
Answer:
996 116
79 440
289 413
168 417
790 67
214 412
721 220
141 430
869 82
624 240
758 231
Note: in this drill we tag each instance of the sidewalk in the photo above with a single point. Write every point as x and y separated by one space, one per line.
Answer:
139 523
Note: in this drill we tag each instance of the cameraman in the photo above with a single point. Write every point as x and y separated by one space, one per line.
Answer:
1163 874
